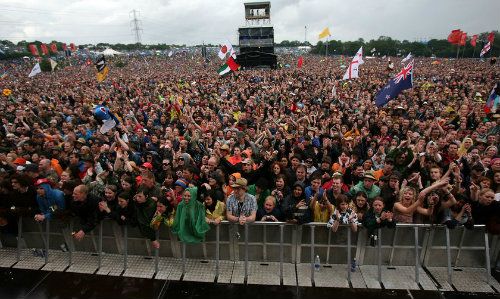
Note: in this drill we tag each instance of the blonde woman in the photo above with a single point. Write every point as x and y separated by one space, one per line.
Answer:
409 203
466 144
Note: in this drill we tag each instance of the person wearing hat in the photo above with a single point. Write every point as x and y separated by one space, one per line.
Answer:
367 185
49 200
224 149
241 206
179 186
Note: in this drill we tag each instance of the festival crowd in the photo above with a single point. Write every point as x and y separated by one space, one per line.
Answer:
293 144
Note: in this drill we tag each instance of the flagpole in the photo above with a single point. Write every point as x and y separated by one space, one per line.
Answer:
474 52
458 50
491 47
326 49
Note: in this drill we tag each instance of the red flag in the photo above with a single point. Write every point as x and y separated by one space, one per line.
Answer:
473 40
455 36
463 38
491 37
73 47
64 47
300 62
53 48
44 48
232 64
33 49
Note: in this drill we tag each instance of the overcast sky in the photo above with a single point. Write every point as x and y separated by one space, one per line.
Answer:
194 21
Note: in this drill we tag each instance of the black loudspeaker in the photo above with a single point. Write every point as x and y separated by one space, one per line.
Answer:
257 47
257 59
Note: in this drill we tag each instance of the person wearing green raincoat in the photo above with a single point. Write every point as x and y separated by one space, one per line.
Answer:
189 223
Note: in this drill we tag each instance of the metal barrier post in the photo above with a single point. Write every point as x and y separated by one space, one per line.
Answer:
417 264
312 254
349 259
70 246
246 251
217 253
47 232
183 258
487 252
157 251
99 259
125 247
19 236
448 253
281 252
379 255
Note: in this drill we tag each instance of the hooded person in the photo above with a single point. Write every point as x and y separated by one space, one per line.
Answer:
190 224
294 206
49 200
145 208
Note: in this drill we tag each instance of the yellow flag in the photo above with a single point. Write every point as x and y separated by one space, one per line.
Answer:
324 33
102 74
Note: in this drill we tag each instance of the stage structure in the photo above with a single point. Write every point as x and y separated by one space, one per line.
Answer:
256 38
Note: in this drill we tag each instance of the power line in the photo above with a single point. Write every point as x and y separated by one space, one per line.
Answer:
46 12
136 29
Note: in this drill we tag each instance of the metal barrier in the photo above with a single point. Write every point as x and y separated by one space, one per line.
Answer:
419 244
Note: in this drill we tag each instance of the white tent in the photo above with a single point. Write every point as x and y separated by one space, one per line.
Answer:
110 52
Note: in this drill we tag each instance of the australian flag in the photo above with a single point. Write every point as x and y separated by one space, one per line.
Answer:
403 80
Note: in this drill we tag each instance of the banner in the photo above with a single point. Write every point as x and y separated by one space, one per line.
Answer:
45 50
53 48
473 40
33 50
455 36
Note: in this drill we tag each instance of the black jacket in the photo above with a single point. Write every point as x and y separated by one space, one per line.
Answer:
87 213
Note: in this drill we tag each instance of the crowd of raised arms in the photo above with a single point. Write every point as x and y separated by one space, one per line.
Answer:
298 145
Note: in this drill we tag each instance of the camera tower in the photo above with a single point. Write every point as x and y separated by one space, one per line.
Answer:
256 38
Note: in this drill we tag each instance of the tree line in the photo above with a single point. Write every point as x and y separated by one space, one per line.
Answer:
385 45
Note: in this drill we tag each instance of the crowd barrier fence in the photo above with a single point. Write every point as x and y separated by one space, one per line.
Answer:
417 245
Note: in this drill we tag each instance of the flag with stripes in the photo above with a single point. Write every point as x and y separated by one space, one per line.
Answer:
485 49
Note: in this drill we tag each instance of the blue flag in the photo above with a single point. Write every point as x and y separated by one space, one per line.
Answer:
403 80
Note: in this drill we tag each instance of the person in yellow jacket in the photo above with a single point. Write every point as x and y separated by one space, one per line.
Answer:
215 210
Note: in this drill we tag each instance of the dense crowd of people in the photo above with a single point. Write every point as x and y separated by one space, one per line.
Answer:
298 145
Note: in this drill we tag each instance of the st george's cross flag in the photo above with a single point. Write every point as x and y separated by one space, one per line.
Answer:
403 80
352 70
